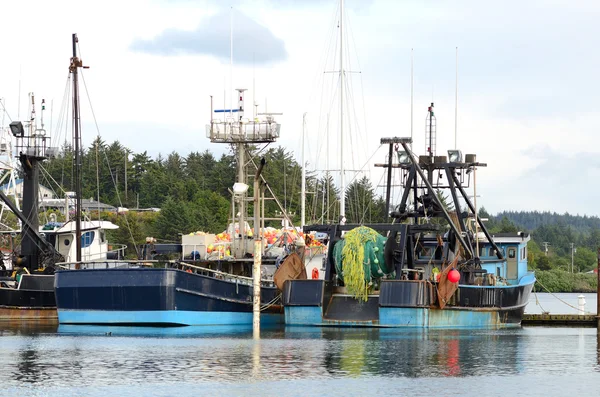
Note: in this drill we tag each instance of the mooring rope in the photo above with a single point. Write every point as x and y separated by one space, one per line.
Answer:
566 303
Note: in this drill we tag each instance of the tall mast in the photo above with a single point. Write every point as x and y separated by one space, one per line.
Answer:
75 64
411 93
456 105
342 179
303 193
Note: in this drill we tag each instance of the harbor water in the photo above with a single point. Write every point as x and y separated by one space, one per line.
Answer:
297 361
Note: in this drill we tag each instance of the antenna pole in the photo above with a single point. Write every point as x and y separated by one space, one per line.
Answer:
327 170
343 182
19 98
411 93
456 104
75 64
231 61
303 193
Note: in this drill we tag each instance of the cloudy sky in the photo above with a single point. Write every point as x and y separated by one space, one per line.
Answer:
527 97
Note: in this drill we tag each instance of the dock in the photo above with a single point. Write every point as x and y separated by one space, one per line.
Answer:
569 320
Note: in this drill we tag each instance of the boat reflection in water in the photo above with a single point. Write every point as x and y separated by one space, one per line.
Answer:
392 352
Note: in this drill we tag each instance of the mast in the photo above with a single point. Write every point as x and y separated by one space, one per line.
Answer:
456 105
411 93
342 179
75 64
303 189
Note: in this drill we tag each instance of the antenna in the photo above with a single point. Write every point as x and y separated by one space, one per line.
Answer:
19 103
342 179
303 188
456 104
411 93
230 59
253 89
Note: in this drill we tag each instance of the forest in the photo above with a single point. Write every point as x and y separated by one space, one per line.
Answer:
194 194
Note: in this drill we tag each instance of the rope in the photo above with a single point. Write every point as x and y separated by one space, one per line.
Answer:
537 302
270 303
137 251
566 303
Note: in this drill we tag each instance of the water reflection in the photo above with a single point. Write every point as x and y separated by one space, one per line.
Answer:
415 353
81 356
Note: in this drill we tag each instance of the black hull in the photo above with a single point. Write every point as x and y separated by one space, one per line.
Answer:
155 297
32 301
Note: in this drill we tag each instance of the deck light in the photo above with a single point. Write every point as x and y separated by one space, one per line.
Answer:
455 156
403 157
16 127
240 188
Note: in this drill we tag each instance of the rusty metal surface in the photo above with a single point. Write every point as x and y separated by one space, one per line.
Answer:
446 288
28 315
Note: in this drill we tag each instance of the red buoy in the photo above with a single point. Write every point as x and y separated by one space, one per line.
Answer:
315 273
453 276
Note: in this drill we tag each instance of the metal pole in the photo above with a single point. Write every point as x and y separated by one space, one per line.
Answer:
475 205
76 63
389 183
327 171
242 205
411 94
456 104
342 181
598 300
303 193
572 257
257 254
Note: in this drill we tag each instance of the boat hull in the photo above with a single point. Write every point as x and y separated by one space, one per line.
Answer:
33 301
410 304
159 297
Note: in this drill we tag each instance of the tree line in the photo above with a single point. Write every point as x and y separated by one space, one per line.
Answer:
194 191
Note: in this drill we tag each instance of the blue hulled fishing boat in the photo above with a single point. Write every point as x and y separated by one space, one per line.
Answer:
198 288
434 266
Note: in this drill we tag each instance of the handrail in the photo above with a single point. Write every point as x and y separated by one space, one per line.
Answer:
223 273
65 266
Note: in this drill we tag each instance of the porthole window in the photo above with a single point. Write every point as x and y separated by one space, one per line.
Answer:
67 241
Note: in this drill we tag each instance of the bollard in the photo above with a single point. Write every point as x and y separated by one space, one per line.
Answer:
581 304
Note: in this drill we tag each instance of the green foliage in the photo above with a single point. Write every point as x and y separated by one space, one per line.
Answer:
361 205
561 281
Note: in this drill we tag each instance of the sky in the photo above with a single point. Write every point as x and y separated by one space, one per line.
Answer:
527 84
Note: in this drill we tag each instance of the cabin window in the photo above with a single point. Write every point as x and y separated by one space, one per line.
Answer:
102 237
67 241
492 252
426 252
482 251
512 253
87 238
523 253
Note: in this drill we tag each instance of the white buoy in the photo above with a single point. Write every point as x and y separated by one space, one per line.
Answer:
581 304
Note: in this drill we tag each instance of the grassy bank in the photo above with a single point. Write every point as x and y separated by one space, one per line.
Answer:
560 281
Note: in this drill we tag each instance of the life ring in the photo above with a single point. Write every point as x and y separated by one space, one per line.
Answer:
315 273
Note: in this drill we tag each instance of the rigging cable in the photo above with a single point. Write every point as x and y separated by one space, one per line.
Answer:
109 167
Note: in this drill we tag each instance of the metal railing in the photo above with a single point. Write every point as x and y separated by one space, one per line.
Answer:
170 264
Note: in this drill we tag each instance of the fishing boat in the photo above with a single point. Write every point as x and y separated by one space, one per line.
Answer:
434 266
27 282
198 287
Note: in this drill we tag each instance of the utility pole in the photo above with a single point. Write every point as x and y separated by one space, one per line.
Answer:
546 247
126 155
573 250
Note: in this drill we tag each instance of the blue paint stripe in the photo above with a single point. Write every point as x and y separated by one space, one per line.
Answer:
178 317
403 318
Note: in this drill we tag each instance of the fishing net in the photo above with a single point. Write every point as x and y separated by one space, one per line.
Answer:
359 260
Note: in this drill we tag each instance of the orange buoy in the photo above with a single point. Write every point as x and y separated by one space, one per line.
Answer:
315 273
